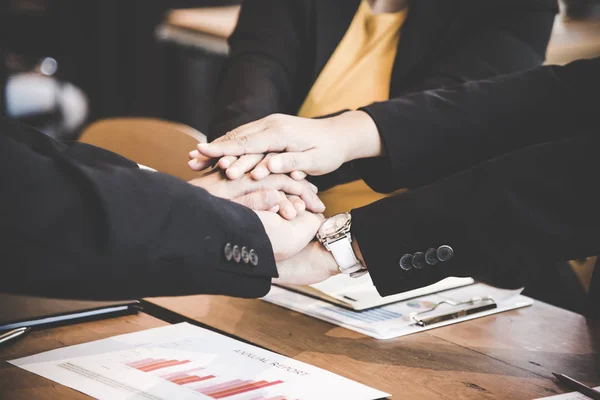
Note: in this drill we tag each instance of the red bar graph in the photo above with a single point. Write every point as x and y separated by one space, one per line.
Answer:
153 364
145 361
185 377
222 386
191 379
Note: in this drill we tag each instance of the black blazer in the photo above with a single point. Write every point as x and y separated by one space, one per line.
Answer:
78 221
279 48
531 204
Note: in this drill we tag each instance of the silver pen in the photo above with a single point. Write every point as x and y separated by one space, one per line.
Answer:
484 306
13 334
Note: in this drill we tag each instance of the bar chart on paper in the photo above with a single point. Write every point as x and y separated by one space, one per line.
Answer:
191 378
187 362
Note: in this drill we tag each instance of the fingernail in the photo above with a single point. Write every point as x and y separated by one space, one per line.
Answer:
275 164
275 209
224 164
289 210
322 204
314 188
202 146
193 164
194 153
233 172
259 172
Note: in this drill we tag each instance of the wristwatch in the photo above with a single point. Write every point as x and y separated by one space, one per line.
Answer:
334 235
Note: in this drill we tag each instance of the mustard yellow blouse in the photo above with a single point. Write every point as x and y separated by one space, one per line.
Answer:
357 74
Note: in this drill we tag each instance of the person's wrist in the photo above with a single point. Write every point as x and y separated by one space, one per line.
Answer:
359 135
325 258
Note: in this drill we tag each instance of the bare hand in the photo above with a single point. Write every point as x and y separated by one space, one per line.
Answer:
312 265
289 237
279 193
307 146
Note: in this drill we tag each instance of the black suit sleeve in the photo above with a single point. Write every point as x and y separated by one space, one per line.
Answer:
261 70
512 38
529 206
78 221
505 219
443 131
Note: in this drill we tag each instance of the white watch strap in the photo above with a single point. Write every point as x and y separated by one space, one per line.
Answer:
344 255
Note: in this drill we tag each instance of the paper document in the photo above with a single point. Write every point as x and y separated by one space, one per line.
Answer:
184 361
361 294
569 396
394 320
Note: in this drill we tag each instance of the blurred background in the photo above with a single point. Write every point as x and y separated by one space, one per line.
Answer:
68 63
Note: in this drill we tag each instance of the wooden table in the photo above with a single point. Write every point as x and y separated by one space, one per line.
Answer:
509 355
16 383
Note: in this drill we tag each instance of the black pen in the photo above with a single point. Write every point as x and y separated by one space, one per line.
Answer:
578 386
13 334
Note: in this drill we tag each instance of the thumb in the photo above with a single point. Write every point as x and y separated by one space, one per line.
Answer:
262 200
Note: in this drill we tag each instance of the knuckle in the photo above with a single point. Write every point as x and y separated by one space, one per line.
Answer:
276 122
252 201
237 137
230 135
292 162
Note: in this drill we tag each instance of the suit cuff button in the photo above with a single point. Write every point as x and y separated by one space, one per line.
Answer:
406 262
228 250
245 255
431 257
418 260
253 257
237 253
444 253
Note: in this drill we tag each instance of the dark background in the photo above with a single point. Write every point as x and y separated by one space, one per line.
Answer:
108 48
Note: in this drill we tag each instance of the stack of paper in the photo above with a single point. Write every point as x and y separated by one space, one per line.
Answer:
394 320
361 294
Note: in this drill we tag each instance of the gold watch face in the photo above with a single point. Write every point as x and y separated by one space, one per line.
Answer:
333 225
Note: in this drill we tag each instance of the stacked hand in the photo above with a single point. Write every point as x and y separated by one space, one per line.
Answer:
287 144
300 260
256 157
278 193
291 232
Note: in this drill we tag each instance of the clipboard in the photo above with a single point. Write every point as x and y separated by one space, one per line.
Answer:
409 316
359 294
39 312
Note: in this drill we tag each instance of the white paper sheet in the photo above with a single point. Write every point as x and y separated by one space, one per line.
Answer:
184 361
394 320
360 293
